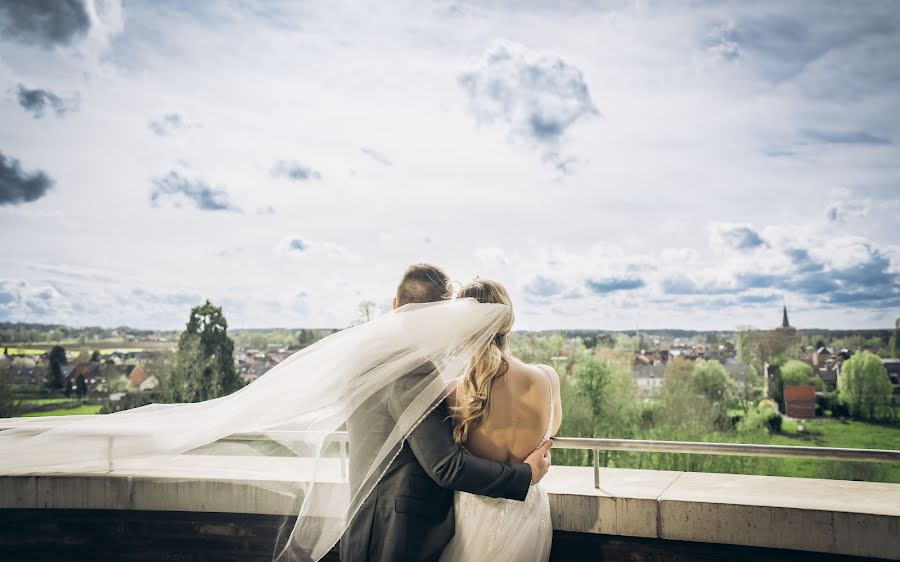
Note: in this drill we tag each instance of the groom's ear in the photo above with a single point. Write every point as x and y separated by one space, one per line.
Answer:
394 304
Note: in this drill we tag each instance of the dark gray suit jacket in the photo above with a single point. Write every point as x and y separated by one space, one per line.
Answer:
409 514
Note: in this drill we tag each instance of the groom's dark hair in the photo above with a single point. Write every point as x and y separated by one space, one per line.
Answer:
423 282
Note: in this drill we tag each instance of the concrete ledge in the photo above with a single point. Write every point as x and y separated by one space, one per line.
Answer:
824 516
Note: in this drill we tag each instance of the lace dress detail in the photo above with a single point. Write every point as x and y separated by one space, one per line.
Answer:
500 530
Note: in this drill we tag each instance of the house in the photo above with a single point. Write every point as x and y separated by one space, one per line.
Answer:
800 401
821 356
892 366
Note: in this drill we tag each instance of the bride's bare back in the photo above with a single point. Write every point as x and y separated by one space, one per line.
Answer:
516 419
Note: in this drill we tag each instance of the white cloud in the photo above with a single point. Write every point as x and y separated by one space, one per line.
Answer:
721 123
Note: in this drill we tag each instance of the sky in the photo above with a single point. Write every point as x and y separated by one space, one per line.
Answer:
616 165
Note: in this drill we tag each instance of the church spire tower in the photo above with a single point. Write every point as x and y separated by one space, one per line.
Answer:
784 320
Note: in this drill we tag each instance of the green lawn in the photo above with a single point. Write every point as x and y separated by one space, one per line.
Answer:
79 411
44 401
833 433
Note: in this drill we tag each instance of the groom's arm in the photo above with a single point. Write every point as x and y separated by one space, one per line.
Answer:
449 463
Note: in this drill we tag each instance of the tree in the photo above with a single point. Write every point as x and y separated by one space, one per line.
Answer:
204 362
80 387
56 359
864 386
894 344
9 406
306 337
712 381
366 311
798 373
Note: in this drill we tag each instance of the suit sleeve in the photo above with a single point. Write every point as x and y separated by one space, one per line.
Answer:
453 467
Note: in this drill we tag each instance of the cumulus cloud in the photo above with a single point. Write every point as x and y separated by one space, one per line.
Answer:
738 237
539 96
53 23
542 287
300 246
18 186
721 43
37 102
845 206
295 171
169 124
176 190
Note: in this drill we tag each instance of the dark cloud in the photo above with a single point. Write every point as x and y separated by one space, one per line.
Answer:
168 124
612 284
844 137
295 171
377 156
45 23
539 96
37 101
17 186
176 189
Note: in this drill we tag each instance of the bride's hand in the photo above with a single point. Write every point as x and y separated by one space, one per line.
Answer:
539 461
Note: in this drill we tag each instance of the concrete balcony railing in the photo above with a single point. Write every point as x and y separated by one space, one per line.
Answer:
203 507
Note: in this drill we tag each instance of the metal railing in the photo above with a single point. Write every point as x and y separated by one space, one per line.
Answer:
597 445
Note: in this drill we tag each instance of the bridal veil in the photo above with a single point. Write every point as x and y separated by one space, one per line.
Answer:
298 404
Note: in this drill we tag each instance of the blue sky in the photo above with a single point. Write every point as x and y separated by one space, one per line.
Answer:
615 164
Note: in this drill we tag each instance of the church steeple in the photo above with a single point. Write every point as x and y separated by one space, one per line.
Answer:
784 320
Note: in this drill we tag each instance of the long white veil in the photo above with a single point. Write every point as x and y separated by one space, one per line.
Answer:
299 404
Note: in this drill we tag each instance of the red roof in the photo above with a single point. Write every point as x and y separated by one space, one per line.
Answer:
800 393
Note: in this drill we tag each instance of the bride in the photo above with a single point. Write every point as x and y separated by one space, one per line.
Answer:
502 410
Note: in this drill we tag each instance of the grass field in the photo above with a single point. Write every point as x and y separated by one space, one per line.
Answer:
79 411
45 401
834 433
24 350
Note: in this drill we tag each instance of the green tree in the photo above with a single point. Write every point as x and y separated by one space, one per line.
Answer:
9 406
710 379
894 344
56 359
864 386
798 373
204 362
306 337
607 389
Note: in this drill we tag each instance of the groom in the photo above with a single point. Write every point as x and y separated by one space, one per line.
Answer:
409 514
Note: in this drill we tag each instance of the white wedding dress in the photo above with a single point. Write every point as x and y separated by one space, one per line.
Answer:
502 530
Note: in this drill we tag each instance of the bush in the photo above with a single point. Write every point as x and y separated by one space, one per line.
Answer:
839 409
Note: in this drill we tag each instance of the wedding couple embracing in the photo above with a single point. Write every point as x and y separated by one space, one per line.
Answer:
464 484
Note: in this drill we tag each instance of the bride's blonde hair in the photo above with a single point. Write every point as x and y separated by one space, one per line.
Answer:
488 363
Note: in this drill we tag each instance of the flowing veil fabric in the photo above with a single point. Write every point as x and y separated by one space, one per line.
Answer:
298 404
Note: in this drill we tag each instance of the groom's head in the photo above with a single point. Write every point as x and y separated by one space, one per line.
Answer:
422 282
